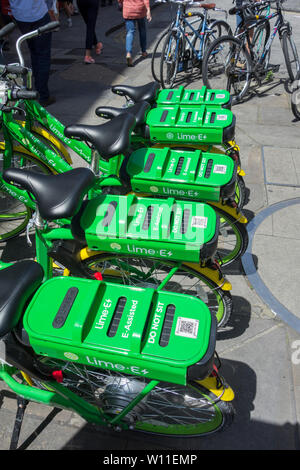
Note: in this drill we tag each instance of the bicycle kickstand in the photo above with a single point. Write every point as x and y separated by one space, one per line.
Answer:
22 404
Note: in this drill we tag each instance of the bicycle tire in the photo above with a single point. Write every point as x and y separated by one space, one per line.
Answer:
223 29
240 192
290 55
169 410
260 38
218 28
172 51
131 270
228 70
233 239
155 59
295 98
15 215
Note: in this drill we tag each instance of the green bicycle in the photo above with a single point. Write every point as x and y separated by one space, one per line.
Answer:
139 241
216 185
110 353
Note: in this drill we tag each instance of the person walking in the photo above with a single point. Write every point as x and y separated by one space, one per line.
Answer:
135 13
30 15
89 12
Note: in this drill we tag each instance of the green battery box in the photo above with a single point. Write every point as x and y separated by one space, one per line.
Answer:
182 173
185 97
183 124
140 226
124 329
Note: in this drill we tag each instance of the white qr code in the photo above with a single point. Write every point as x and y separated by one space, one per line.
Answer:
220 169
187 327
199 222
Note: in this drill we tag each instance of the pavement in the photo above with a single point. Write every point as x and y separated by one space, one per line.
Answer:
260 348
291 5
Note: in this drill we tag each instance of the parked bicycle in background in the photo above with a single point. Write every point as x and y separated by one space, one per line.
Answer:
232 62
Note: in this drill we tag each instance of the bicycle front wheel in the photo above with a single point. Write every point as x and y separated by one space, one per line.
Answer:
156 56
217 28
14 214
290 55
227 66
142 272
260 39
171 53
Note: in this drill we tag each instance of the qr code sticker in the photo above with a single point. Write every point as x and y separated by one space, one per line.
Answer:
199 222
220 169
187 327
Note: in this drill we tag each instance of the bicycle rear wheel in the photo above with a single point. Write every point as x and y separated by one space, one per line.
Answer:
149 272
290 55
169 409
171 54
227 66
156 56
232 241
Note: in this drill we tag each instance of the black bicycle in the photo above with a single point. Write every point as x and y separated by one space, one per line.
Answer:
231 62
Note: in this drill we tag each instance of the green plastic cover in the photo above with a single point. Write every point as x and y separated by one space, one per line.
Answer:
138 331
163 228
204 124
180 173
186 97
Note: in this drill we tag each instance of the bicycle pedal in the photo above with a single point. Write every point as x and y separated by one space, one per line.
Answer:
273 68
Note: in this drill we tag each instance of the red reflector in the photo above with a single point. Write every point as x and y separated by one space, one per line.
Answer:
98 276
58 376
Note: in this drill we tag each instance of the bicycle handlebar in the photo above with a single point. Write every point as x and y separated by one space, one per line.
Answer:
235 10
37 32
184 2
48 27
7 29
15 69
24 94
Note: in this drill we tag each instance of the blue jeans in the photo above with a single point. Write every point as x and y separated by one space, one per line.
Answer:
130 32
40 53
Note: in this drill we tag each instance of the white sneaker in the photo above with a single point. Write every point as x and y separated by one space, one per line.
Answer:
69 22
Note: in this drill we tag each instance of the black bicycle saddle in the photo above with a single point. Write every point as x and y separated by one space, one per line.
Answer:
57 196
110 139
146 92
138 110
17 283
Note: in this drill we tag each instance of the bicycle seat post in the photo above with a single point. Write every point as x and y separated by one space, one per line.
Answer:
94 165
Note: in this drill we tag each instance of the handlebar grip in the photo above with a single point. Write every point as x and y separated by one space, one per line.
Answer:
24 94
48 27
16 69
7 29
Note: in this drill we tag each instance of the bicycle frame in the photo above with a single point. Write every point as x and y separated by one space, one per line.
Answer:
278 24
180 19
276 27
